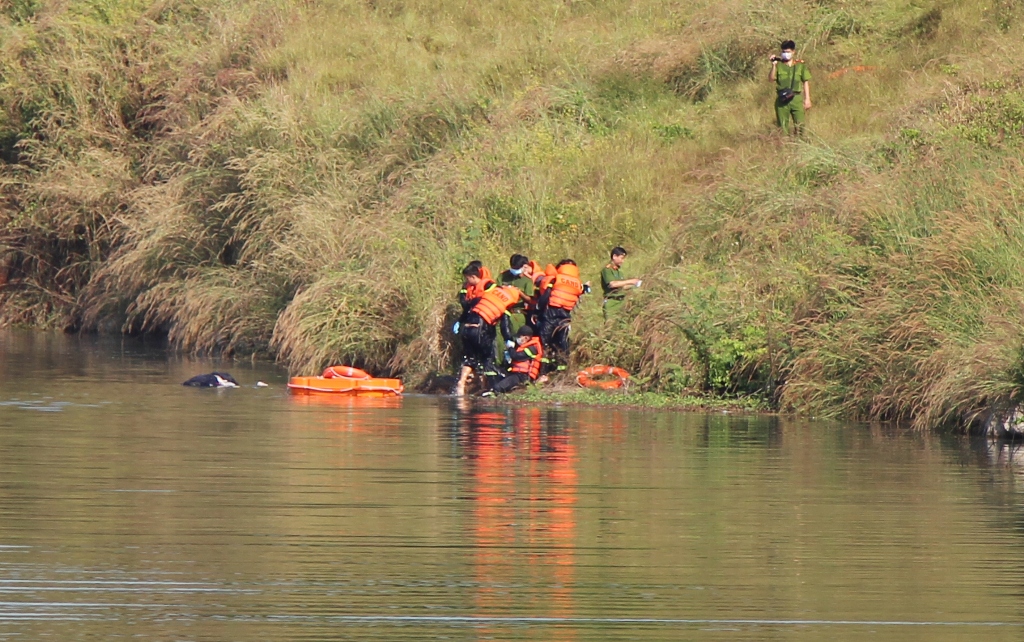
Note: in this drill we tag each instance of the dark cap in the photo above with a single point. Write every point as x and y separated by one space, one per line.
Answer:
525 331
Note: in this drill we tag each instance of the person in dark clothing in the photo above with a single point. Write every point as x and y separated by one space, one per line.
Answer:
476 279
557 301
478 332
526 362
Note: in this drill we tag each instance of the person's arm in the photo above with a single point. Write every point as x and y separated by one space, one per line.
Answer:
772 71
624 283
506 327
807 94
521 355
543 298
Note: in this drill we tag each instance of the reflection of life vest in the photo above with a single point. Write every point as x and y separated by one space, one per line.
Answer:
531 366
495 301
566 288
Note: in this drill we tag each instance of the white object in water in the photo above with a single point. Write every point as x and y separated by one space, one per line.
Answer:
260 384
224 383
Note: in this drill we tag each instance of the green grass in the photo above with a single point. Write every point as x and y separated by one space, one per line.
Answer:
305 180
636 399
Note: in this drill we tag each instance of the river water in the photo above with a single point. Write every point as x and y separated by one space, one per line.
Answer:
132 507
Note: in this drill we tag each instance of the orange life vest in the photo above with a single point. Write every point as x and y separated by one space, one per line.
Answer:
566 288
477 291
535 351
495 301
543 280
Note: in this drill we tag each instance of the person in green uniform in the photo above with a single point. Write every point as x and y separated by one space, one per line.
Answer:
792 88
519 276
614 284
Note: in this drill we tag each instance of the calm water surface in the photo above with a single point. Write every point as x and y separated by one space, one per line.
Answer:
131 507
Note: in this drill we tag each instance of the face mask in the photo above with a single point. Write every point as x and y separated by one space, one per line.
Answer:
787 55
516 272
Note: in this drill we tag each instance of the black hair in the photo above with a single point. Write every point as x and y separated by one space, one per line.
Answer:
788 44
476 264
619 251
525 331
471 270
565 262
517 261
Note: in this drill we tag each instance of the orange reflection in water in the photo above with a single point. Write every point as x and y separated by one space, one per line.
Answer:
356 413
525 490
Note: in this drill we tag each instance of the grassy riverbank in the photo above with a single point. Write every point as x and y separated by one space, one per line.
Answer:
305 180
635 399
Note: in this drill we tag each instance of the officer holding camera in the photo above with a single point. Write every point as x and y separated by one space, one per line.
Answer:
792 87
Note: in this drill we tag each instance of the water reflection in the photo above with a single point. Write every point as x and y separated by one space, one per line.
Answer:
131 505
523 467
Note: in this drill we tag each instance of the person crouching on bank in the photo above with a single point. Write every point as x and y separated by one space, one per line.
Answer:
526 362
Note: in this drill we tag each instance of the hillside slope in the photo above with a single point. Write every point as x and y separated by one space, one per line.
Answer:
307 179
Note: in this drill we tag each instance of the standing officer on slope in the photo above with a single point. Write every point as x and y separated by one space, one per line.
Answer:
614 284
792 88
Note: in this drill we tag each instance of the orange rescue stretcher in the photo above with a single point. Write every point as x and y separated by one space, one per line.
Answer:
345 380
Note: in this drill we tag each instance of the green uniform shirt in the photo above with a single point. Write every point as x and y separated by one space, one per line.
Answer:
798 74
523 283
609 274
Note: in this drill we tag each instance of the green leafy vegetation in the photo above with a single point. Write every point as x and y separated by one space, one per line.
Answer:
306 180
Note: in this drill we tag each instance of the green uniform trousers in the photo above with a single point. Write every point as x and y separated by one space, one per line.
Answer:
793 110
612 307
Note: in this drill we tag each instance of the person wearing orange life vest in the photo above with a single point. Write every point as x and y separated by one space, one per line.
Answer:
527 359
478 330
476 279
557 301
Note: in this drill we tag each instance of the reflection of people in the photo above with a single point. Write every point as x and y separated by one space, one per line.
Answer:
792 88
526 361
614 285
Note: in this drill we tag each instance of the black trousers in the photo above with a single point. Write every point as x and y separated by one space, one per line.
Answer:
554 329
511 382
554 335
477 342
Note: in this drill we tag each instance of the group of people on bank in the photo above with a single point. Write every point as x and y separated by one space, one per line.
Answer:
516 329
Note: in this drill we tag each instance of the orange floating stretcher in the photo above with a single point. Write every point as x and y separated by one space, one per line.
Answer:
344 380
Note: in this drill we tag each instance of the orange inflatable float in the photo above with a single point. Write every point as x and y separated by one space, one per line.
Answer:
344 372
345 380
587 377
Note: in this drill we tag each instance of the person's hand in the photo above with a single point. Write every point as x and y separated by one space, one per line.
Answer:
773 59
807 103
